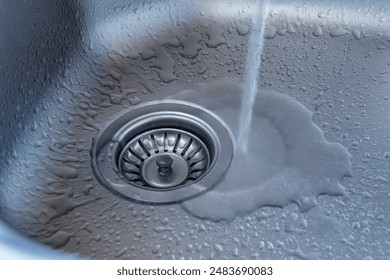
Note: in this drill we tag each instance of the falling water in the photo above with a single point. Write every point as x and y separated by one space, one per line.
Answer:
253 63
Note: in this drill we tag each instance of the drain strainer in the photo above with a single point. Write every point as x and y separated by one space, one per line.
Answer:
162 152
164 158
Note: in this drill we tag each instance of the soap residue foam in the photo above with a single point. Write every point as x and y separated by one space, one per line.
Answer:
288 159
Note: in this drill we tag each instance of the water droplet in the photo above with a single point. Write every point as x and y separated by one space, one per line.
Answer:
166 65
242 28
215 33
58 239
270 32
318 31
235 252
190 43
357 34
162 229
121 252
338 32
156 249
218 248
65 172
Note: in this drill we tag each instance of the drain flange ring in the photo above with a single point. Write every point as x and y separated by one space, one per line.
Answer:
162 152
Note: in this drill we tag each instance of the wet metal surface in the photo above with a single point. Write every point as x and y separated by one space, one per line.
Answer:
68 68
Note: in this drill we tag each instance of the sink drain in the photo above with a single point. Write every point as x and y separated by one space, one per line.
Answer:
164 158
162 152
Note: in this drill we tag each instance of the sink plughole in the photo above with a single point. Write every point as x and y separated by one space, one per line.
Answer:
69 68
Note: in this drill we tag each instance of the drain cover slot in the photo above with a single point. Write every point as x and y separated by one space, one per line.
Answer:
162 152
164 158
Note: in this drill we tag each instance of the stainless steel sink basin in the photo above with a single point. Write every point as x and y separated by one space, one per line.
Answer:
69 68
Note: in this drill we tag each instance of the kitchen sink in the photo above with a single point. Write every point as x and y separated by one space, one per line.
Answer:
102 101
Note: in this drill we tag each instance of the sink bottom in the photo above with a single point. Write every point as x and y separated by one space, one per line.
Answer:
314 184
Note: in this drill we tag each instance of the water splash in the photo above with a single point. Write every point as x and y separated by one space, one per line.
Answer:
288 159
253 64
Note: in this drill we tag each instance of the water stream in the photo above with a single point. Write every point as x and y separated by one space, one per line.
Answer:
253 65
